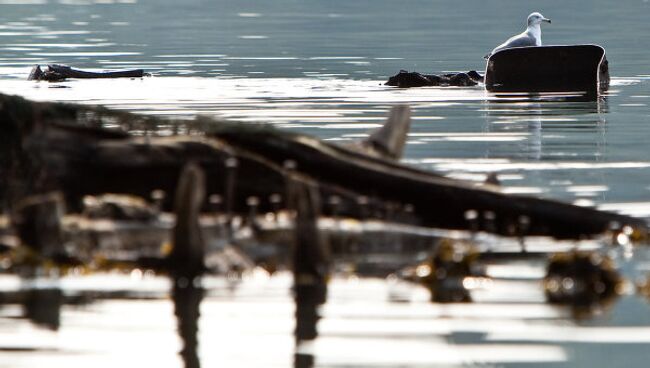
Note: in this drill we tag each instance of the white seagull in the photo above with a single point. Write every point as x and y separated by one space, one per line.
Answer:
532 36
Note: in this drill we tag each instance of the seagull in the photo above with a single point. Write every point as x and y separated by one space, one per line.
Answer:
532 36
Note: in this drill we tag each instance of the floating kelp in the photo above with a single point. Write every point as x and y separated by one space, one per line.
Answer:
406 79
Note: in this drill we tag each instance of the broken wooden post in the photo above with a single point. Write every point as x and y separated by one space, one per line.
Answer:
311 261
186 260
389 140
186 257
37 220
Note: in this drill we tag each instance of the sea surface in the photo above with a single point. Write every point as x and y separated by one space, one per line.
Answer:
318 67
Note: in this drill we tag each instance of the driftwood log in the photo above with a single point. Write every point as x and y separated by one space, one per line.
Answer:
46 146
57 73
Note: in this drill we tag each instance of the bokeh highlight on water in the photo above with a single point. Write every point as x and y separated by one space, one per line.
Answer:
317 67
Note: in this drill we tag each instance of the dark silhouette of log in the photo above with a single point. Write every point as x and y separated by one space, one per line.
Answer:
578 68
436 201
56 72
85 160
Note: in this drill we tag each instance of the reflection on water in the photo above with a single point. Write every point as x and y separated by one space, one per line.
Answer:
251 325
187 298
43 307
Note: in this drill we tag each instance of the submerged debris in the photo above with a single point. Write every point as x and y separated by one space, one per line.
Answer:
445 272
581 279
406 79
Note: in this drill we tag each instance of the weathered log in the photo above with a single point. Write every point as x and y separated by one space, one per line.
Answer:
437 201
82 161
56 73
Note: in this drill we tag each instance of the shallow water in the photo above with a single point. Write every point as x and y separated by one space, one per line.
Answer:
318 68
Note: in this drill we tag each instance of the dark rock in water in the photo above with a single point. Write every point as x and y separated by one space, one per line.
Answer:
475 75
409 79
406 79
461 79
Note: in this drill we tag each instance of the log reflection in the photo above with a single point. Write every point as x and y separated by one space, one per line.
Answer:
187 296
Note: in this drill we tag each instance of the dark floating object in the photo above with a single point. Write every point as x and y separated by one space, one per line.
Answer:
583 280
575 68
57 73
405 79
445 272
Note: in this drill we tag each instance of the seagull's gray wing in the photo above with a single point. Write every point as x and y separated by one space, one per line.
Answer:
520 40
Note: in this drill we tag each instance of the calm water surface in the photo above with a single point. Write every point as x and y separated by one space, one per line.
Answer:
318 67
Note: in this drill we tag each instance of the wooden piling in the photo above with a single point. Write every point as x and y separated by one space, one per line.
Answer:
311 261
186 260
37 220
188 252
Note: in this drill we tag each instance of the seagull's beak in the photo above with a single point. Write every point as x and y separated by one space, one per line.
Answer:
546 20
